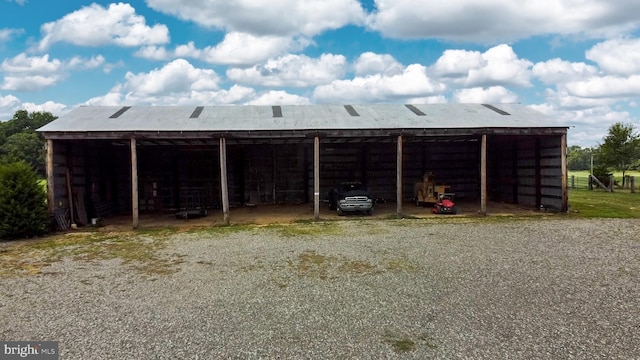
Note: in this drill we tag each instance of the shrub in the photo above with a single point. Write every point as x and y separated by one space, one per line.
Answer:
23 208
603 174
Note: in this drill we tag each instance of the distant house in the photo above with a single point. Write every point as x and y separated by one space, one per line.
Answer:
132 160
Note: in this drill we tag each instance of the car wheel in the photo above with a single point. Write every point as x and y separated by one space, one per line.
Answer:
340 212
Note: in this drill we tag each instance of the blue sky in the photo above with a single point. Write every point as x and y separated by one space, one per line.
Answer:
577 61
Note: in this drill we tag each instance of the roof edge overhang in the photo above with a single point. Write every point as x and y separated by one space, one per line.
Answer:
309 133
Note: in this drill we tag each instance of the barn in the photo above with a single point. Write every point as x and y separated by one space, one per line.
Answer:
134 160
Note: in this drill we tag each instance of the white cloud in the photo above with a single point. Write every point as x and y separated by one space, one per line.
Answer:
25 73
95 25
82 63
491 95
278 98
30 82
54 108
411 83
22 63
279 18
556 71
153 52
439 99
32 73
178 76
562 99
606 87
8 106
497 66
292 70
235 95
617 56
7 34
176 83
492 21
370 63
246 49
458 63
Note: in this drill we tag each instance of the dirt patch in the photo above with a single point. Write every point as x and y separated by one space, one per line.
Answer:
264 214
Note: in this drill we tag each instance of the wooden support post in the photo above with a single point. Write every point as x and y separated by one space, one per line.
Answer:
224 188
399 178
134 183
483 175
70 197
50 178
563 164
612 182
316 178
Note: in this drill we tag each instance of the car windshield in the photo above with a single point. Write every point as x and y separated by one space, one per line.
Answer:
351 186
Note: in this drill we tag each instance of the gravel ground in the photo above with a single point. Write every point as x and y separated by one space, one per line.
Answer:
414 289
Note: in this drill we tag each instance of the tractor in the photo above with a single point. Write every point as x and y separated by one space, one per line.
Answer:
439 197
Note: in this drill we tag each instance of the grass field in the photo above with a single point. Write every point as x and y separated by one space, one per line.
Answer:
602 204
616 174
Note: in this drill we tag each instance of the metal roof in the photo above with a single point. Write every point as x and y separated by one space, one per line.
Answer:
95 119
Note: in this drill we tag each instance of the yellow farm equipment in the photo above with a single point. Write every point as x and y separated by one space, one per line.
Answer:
428 192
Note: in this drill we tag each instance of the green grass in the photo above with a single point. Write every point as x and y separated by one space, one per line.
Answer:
602 204
616 174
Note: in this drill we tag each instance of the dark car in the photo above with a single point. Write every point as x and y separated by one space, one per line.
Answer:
351 197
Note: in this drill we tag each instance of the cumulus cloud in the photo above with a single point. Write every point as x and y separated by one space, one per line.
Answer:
175 77
95 25
499 65
235 95
606 87
32 73
617 56
491 95
278 98
556 71
8 34
281 18
411 83
246 49
587 126
8 106
176 83
52 107
493 21
370 63
292 70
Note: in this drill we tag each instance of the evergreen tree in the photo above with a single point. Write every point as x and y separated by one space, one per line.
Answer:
23 208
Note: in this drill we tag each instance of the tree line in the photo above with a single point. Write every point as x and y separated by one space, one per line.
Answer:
19 140
619 150
23 202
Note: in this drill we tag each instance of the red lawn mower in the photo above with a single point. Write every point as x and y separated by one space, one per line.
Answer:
444 205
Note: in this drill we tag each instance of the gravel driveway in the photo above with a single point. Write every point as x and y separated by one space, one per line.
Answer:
372 289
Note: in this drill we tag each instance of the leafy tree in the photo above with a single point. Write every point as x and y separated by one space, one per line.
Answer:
20 141
621 147
23 207
579 158
25 146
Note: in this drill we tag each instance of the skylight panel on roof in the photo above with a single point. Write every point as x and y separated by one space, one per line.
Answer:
277 111
499 111
119 112
196 113
351 110
415 110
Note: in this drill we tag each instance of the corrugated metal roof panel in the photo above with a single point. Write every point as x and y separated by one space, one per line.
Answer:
297 117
